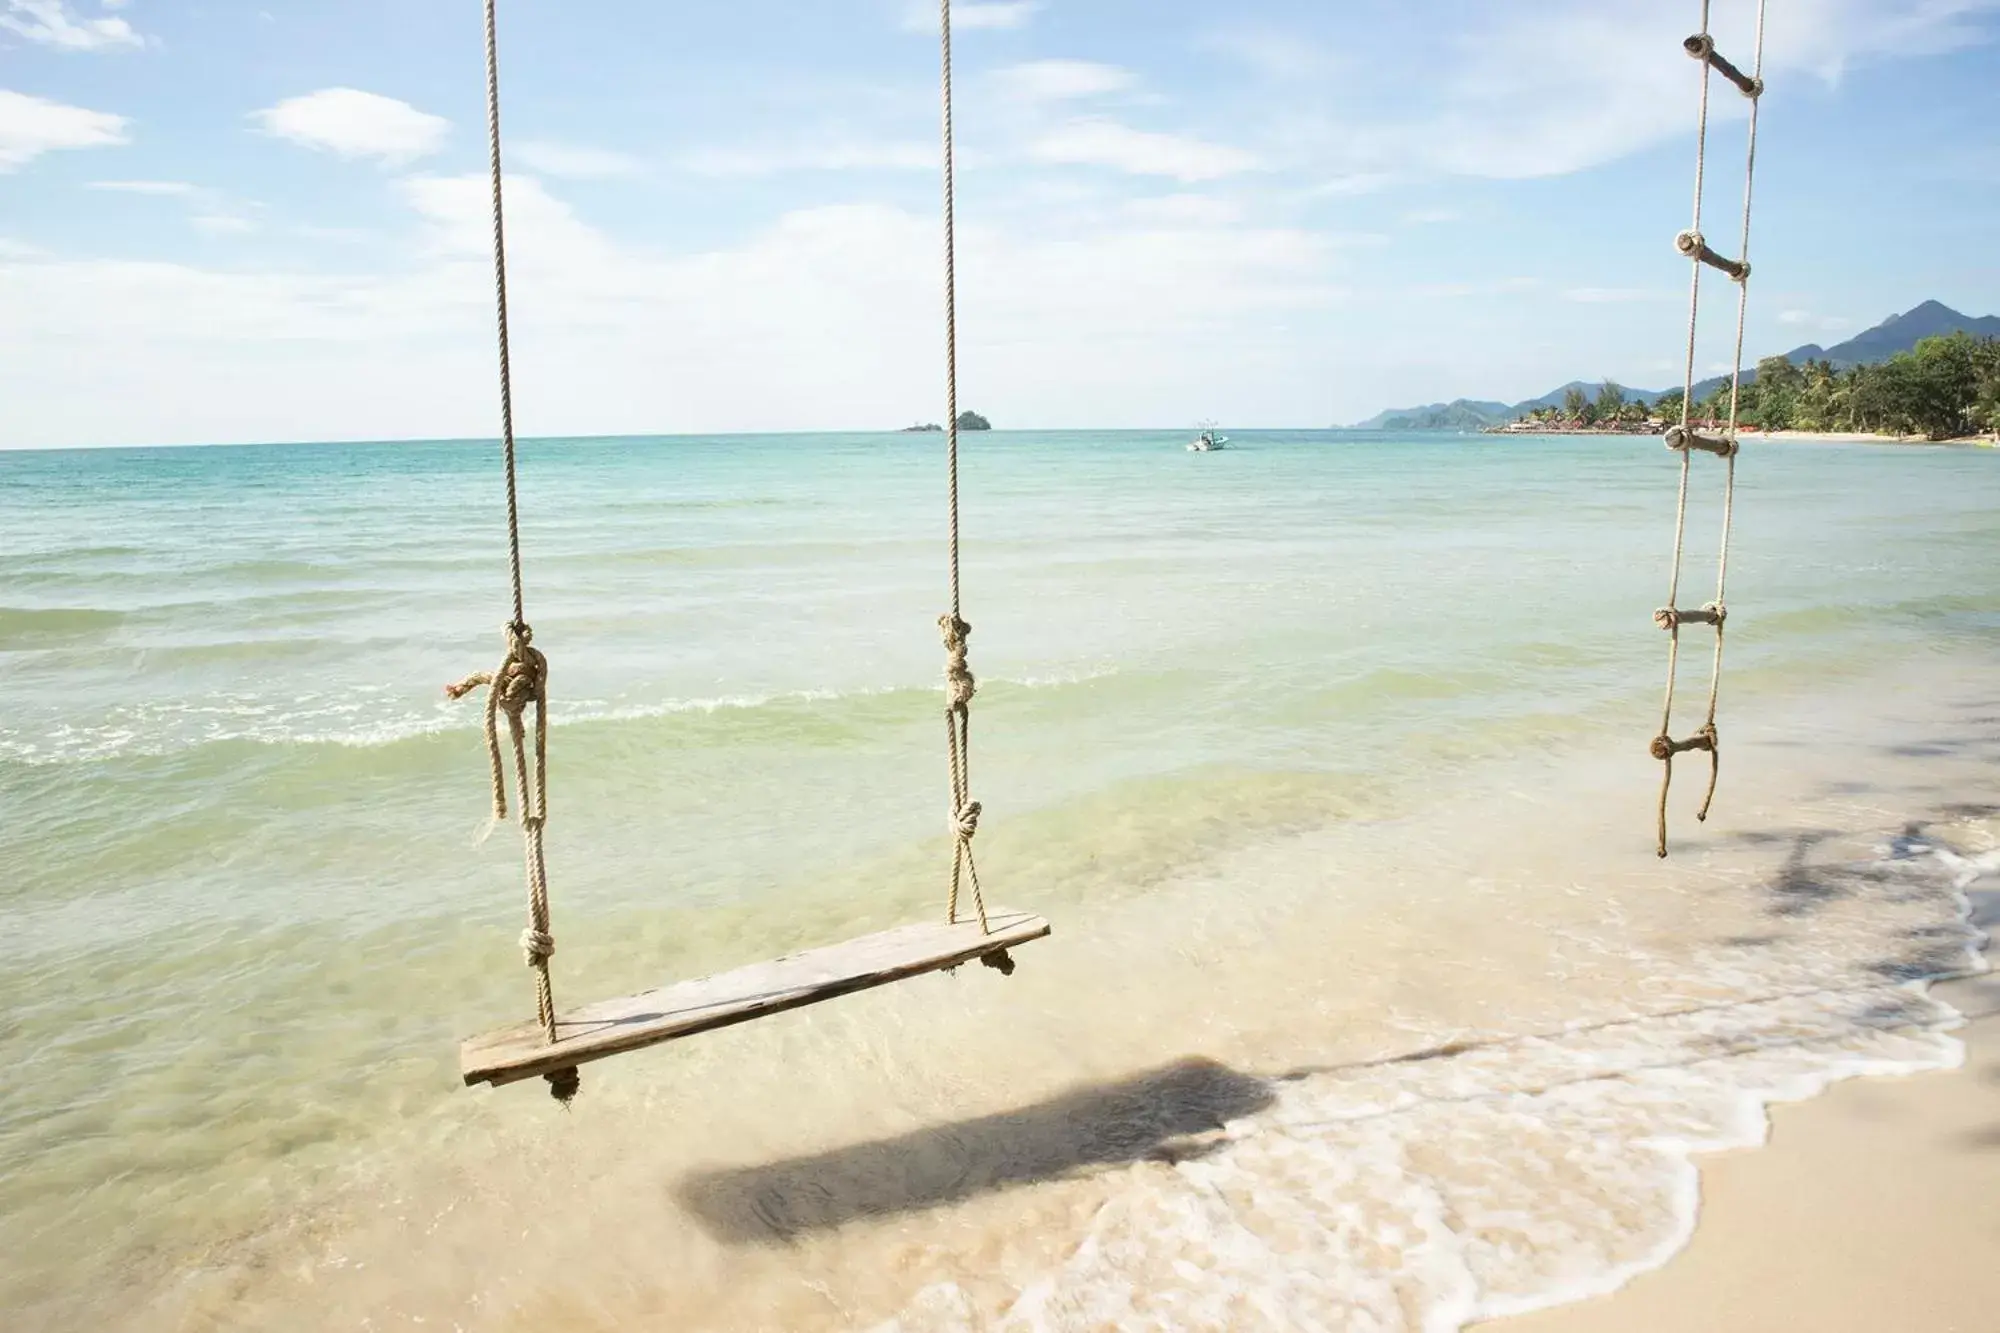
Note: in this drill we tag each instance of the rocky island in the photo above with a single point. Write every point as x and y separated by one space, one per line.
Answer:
966 421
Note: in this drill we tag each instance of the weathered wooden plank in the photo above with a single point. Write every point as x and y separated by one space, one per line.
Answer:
698 1005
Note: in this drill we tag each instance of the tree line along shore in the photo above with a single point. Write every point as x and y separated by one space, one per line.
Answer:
1947 387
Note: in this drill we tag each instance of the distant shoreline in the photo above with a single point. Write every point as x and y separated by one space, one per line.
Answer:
1797 436
1865 437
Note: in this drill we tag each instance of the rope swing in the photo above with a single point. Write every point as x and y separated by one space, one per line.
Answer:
557 1044
959 685
1684 439
521 680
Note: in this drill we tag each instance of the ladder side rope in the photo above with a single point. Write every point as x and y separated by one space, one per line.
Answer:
1684 439
522 678
1755 92
960 684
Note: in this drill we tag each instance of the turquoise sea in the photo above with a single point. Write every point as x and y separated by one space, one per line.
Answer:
1321 748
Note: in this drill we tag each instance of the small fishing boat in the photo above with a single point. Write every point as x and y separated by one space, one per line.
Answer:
1208 441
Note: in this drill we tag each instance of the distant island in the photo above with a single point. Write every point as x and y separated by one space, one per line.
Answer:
1930 371
966 421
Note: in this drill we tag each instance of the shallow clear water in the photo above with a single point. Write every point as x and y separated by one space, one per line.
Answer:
1221 695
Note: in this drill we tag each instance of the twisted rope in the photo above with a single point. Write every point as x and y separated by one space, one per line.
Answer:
960 685
522 678
1684 439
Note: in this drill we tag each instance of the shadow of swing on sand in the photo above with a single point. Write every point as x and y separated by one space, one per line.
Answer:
1110 1124
1160 1114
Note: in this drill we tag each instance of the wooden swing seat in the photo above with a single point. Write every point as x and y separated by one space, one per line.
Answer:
703 1003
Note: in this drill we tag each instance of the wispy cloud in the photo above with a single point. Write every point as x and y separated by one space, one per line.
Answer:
50 23
222 224
31 126
145 187
730 336
350 123
1358 182
1061 80
1274 53
1614 295
1513 286
1806 319
575 161
1098 142
771 160
1500 100
920 17
1184 210
210 212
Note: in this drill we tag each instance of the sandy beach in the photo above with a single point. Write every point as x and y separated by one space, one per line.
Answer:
1886 1193
1861 437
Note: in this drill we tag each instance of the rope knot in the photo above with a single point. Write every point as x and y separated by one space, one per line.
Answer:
965 820
1662 746
1700 46
960 684
522 678
524 673
537 946
1667 618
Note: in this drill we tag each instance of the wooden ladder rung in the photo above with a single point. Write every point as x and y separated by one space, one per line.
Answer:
1666 747
1691 244
1682 437
1702 47
1673 617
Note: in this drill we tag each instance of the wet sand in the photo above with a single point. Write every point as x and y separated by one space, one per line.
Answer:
1874 1207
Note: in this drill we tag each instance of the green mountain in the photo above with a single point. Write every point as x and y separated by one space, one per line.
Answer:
1459 414
1898 333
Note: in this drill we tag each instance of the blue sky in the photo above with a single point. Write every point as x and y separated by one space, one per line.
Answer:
237 221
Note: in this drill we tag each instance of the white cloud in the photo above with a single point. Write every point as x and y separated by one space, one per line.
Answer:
1098 142
1423 217
1359 182
1614 295
994 14
222 224
1817 323
921 17
31 126
1184 210
50 23
1068 324
1521 91
1276 54
352 123
766 161
1062 80
210 212
574 161
145 187
1512 286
